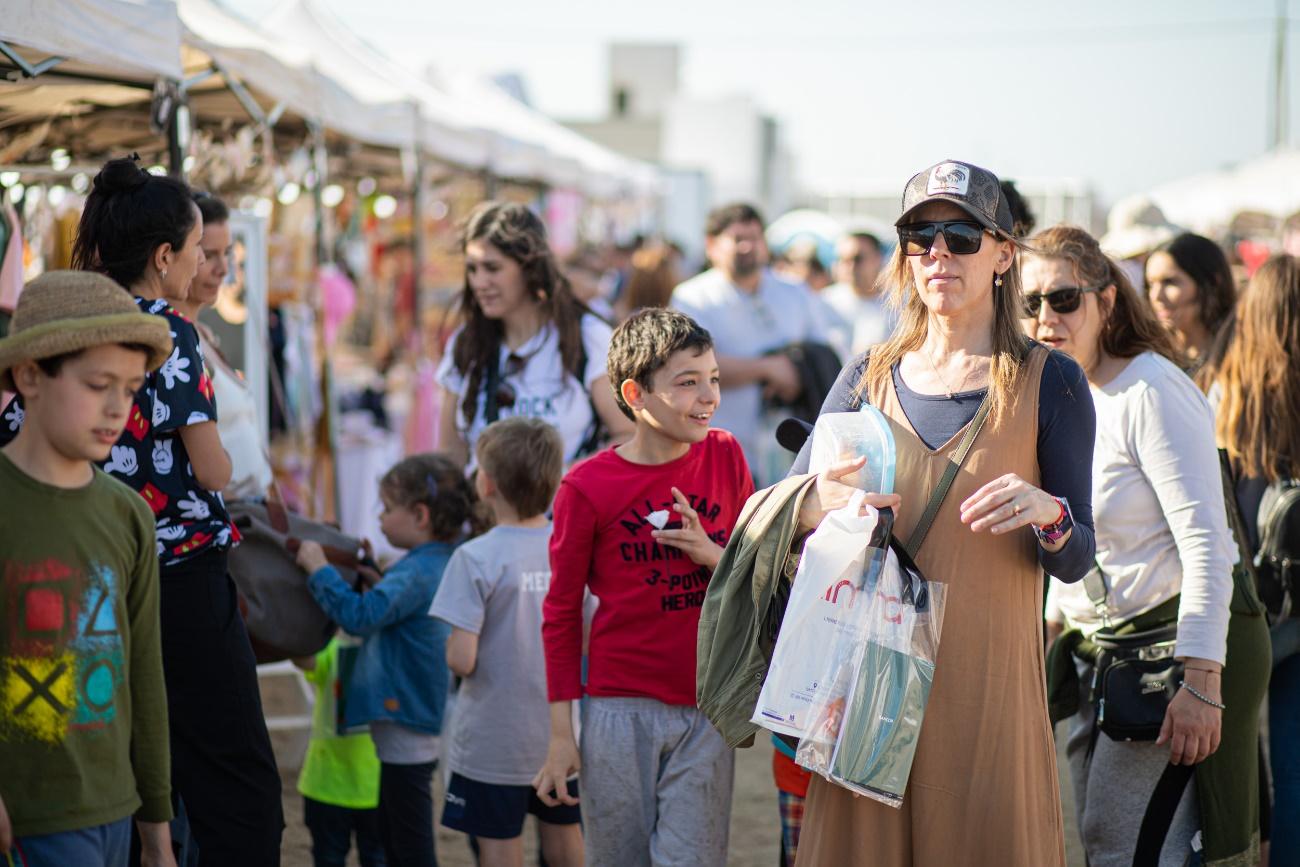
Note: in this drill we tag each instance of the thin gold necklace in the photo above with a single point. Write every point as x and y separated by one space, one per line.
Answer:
935 368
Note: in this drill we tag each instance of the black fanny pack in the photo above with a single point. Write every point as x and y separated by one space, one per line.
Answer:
1135 678
1135 674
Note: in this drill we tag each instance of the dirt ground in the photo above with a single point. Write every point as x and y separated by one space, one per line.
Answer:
755 822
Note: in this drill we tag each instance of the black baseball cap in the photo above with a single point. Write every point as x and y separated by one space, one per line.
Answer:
971 188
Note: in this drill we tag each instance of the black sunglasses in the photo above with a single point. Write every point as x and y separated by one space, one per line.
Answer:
506 395
1065 299
962 237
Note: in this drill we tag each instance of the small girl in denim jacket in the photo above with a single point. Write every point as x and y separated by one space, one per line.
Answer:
399 686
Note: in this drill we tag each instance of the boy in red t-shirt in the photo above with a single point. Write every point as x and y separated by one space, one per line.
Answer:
642 527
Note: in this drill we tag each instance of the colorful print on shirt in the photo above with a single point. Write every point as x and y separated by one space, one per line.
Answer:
65 662
150 456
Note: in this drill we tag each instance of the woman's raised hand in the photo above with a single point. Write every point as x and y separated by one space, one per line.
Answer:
1008 503
830 493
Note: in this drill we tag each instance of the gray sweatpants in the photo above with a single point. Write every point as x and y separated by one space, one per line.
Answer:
1112 789
656 785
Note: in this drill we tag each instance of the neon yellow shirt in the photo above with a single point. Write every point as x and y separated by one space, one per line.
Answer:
341 770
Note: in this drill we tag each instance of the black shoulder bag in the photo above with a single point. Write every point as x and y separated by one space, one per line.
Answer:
1135 674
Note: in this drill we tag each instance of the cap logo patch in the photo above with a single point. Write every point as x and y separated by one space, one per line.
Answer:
949 178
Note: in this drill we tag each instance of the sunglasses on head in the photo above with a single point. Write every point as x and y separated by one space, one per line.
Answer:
1065 299
962 237
506 395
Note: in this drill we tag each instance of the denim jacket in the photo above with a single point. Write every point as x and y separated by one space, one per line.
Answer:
401 671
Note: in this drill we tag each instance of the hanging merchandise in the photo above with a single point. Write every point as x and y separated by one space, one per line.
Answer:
863 730
338 299
11 257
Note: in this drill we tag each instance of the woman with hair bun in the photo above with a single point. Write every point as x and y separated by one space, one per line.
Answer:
528 347
144 231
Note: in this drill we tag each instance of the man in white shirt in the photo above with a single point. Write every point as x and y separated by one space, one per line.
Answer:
855 296
750 312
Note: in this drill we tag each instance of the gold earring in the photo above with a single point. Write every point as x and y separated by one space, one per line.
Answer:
163 273
997 281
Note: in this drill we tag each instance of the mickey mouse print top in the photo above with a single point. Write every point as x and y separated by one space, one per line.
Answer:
150 456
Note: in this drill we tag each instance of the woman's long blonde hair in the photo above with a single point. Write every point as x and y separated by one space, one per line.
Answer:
1009 343
1258 420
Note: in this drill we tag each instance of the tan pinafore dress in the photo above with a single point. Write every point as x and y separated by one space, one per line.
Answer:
983 788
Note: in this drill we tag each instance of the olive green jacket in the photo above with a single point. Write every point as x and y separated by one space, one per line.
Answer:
743 609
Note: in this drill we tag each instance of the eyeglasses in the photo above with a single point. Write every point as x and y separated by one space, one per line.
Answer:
1065 299
962 237
506 394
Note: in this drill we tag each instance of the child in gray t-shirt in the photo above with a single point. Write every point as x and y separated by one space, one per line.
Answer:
491 595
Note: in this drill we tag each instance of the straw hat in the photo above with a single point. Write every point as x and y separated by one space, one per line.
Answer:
68 311
1135 226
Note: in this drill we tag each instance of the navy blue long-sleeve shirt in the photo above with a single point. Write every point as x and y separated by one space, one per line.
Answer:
1067 426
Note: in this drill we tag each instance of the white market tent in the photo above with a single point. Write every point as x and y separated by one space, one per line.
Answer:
521 142
598 170
136 39
281 71
1207 203
82 72
97 53
393 103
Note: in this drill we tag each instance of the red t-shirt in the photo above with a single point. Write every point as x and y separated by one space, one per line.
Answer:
643 634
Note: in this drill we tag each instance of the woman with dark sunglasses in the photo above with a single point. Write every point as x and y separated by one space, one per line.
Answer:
528 346
983 785
1164 556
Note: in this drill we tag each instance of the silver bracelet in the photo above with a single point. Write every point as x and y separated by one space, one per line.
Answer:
1195 692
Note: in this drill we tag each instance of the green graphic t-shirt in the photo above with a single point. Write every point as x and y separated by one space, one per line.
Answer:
83 709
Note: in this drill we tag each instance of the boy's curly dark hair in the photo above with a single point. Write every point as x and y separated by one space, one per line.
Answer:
643 343
437 483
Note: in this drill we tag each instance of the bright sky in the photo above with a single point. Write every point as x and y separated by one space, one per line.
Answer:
1121 94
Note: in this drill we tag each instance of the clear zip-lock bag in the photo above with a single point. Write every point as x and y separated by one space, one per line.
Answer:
841 436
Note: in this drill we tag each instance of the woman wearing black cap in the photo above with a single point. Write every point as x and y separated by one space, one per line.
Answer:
958 371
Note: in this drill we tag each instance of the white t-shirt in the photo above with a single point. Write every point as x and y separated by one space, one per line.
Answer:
240 432
1158 508
543 388
748 325
871 319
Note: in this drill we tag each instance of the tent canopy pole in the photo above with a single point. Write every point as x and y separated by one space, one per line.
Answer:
27 69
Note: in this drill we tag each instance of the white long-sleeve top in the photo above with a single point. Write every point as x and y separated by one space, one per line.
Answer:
1157 500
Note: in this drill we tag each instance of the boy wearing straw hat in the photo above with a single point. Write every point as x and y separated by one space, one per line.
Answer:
83 713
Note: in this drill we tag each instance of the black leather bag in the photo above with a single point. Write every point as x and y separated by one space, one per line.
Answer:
1135 679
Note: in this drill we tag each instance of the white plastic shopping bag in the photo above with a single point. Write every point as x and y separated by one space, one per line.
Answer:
823 618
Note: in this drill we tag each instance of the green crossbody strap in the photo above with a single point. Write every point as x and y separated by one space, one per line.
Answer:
949 475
